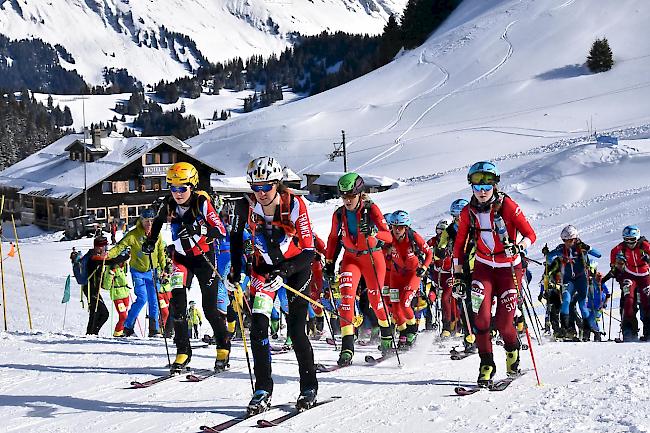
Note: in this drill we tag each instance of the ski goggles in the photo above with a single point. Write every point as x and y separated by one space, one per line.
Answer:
482 187
629 240
262 188
483 178
177 189
398 227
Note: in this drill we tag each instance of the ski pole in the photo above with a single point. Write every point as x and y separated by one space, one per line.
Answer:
316 303
154 277
22 271
470 333
611 305
390 325
240 292
2 268
101 278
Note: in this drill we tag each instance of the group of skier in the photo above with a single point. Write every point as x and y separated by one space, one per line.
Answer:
475 264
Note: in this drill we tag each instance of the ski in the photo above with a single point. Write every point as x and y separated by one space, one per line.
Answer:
279 350
457 356
146 384
499 385
238 419
264 423
201 375
322 368
330 341
372 360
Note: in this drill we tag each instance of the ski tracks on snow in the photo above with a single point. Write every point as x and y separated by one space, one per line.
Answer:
398 141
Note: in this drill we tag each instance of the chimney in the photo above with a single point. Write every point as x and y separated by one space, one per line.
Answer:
97 138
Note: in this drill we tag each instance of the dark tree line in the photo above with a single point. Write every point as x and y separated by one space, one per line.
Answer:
154 121
27 126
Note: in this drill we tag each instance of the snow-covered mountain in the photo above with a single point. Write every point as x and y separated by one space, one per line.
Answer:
129 33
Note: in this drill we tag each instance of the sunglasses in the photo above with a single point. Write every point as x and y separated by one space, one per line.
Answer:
482 187
262 188
181 189
483 178
396 227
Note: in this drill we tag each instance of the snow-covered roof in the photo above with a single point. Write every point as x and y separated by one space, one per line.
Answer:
331 178
290 175
50 172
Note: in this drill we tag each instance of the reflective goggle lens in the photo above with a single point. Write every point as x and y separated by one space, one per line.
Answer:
181 189
482 187
483 178
262 188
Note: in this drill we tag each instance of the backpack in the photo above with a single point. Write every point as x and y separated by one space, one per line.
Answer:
415 247
80 268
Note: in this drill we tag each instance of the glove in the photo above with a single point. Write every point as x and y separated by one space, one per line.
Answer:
645 258
545 250
364 227
459 289
273 283
232 280
285 269
148 246
188 231
328 269
421 271
511 249
584 247
540 297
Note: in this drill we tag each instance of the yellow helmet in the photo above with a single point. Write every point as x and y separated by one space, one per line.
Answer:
183 173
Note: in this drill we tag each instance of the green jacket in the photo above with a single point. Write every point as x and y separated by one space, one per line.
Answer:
115 282
134 240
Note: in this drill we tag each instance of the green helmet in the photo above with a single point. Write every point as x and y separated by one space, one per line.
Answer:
350 183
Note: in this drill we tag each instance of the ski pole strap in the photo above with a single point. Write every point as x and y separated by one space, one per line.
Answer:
361 252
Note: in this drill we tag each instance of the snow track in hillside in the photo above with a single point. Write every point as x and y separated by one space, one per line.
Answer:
398 141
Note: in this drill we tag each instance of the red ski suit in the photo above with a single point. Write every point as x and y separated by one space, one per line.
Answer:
493 269
357 262
634 278
405 263
443 279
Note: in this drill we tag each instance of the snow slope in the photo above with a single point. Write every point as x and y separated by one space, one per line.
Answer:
66 382
120 33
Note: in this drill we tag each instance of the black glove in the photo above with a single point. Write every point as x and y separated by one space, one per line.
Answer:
584 247
364 227
645 258
149 246
328 269
286 268
262 268
459 289
540 297
545 250
511 249
233 278
421 271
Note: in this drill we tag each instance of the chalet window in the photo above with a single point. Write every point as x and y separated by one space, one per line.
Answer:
164 184
133 185
174 158
133 211
156 183
165 158
100 213
28 204
156 158
73 156
149 158
148 185
107 187
120 186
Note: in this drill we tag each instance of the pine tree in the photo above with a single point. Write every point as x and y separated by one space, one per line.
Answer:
600 58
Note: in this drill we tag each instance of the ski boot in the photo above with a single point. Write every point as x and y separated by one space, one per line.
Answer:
275 327
512 363
118 334
345 357
128 331
469 343
180 363
445 334
261 402
288 344
385 345
222 361
487 370
401 343
375 335
306 399
586 331
208 339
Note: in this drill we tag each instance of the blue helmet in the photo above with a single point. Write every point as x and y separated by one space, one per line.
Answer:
485 168
630 232
457 206
147 214
389 218
401 218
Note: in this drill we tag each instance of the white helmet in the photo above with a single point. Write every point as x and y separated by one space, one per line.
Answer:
442 224
569 232
264 169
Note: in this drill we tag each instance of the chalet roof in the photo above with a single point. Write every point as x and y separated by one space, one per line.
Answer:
50 173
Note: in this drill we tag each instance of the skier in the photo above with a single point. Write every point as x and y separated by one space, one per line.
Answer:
317 322
284 249
97 311
598 296
194 225
551 291
573 254
115 282
411 257
144 284
194 319
359 225
165 295
629 262
497 269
